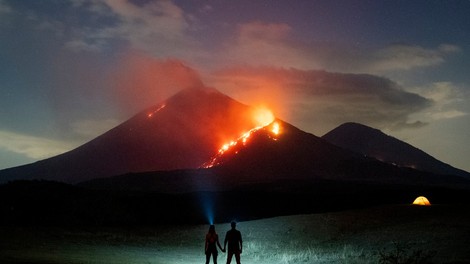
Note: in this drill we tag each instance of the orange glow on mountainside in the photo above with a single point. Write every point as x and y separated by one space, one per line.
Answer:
265 120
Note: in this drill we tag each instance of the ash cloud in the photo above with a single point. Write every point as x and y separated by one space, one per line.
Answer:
140 81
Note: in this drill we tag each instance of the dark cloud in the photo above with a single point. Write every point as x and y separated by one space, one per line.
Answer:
320 100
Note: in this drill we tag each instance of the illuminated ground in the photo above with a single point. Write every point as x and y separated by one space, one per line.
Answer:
343 237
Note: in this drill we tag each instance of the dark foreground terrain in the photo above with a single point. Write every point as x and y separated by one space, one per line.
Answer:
436 234
44 203
282 222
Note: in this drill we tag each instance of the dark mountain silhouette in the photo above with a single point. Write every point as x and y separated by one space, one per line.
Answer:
293 161
163 148
182 132
374 143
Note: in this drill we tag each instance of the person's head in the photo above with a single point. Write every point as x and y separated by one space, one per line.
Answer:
211 229
233 224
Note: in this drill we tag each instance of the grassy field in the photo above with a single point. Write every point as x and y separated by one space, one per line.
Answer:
440 232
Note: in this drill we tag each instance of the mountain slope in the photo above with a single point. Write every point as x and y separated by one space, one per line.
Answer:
182 132
374 143
291 161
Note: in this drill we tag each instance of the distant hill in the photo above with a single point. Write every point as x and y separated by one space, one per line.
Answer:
374 143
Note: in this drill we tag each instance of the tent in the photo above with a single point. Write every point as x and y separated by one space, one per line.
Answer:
421 200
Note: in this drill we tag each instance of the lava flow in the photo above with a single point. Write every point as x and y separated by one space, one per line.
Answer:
266 121
149 115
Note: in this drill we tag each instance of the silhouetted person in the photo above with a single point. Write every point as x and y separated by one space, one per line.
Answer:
234 239
212 241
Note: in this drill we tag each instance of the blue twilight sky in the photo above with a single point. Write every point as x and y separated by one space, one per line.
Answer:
72 69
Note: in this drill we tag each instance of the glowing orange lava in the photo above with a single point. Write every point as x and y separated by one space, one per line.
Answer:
149 115
263 118
276 129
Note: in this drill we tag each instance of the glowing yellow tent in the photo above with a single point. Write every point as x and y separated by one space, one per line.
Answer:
421 200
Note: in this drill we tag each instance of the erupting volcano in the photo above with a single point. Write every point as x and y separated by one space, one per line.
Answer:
186 130
200 138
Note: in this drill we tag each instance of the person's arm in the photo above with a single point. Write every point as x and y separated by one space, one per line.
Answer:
206 246
218 243
225 242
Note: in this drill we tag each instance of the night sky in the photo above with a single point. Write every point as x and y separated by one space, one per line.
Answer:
72 69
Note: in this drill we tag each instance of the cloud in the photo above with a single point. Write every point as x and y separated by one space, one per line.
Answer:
32 146
384 60
4 8
320 100
262 32
448 101
447 114
261 44
83 45
164 30
206 9
274 44
157 27
444 93
412 125
407 57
